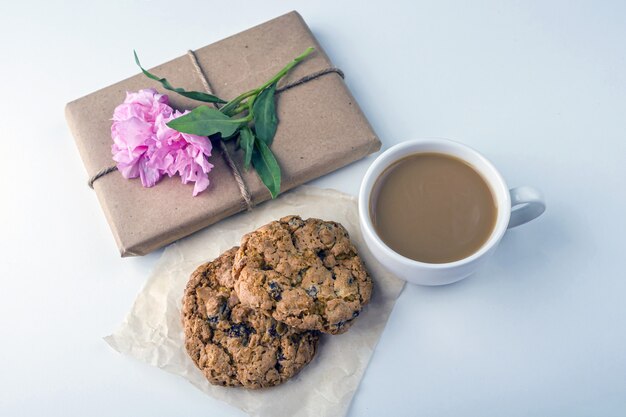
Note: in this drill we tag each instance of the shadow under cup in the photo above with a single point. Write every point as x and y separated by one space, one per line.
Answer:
423 272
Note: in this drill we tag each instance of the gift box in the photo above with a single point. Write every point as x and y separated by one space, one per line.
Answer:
321 128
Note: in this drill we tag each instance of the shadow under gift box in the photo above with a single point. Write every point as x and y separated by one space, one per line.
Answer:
321 128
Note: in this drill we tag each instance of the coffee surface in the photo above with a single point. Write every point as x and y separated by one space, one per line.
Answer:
433 208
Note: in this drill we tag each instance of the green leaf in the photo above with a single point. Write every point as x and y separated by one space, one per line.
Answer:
267 167
246 141
206 121
194 95
265 119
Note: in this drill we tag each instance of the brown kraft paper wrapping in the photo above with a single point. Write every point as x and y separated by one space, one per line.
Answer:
321 129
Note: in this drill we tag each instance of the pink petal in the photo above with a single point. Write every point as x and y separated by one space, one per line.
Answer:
133 132
149 176
202 182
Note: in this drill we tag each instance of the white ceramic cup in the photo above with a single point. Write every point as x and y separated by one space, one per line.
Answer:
515 207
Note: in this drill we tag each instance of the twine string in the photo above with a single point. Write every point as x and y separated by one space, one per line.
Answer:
101 173
310 77
243 189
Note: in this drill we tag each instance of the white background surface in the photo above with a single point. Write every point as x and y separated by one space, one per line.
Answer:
539 87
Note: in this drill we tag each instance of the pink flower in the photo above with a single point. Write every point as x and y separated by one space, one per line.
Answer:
144 146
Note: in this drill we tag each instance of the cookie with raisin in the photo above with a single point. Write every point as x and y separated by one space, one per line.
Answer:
304 273
233 344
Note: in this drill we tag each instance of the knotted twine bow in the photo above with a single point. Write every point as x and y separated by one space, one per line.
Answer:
243 189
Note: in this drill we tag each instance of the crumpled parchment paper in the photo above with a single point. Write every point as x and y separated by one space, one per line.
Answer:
152 331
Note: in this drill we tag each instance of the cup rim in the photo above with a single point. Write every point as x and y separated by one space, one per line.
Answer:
369 181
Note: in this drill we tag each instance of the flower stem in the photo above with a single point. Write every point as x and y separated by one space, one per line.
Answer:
240 108
286 69
237 101
249 104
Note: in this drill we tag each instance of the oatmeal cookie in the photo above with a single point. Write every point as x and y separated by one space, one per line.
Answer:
304 273
232 344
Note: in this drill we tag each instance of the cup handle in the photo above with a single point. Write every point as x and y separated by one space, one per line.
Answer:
527 204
